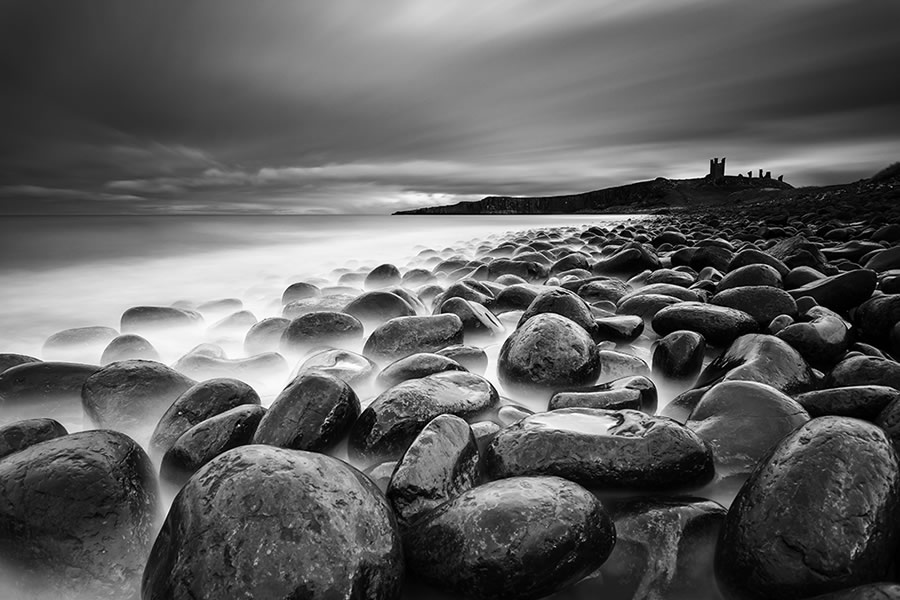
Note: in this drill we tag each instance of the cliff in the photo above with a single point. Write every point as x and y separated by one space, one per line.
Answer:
643 196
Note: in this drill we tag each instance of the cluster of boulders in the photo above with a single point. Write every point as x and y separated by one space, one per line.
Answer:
668 408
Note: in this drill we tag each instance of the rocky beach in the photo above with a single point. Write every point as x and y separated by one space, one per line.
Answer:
700 403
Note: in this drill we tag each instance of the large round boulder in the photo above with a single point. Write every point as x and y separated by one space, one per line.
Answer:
612 449
546 353
523 537
403 336
265 522
818 515
77 516
719 325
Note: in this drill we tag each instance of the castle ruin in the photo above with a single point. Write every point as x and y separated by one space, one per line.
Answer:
717 171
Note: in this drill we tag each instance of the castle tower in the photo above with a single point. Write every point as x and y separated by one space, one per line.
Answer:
716 169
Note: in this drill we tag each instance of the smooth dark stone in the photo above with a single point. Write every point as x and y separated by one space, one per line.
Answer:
619 329
314 412
561 302
875 317
637 393
479 324
674 238
474 291
797 251
752 256
131 395
149 318
645 305
472 358
664 549
523 537
416 366
355 369
440 464
742 421
601 448
300 291
885 260
865 370
43 389
322 329
679 356
196 404
718 325
840 292
751 275
79 344
817 516
265 336
800 276
859 401
528 270
252 369
762 358
374 308
77 516
617 365
22 434
403 336
382 276
128 346
627 262
672 276
265 522
518 296
605 289
9 360
325 303
208 439
546 353
664 289
392 421
822 341
761 302
569 262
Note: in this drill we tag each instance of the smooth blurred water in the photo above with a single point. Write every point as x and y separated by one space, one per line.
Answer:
62 272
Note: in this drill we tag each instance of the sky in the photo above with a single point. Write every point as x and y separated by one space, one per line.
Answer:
372 106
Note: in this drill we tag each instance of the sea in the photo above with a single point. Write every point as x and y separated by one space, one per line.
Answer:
77 271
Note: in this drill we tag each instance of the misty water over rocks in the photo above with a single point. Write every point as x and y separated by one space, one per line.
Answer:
535 406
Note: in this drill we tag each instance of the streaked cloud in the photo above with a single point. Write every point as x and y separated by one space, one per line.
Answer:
354 106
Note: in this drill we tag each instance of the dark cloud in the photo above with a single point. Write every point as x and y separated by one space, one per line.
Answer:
220 105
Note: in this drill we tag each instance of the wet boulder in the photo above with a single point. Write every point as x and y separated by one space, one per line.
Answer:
150 318
547 353
321 329
22 434
416 366
751 275
606 289
479 324
822 341
354 369
635 392
128 346
523 537
742 421
859 401
43 389
664 549
560 302
376 307
327 303
300 291
762 302
265 336
795 530
645 305
621 329
382 276
208 439
8 360
252 369
718 325
679 356
314 412
78 515
81 344
865 370
131 396
473 358
196 404
440 464
403 336
875 318
617 365
623 449
393 420
265 522
840 292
